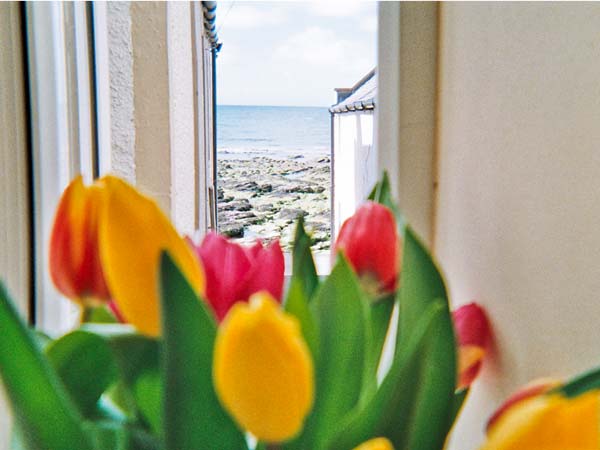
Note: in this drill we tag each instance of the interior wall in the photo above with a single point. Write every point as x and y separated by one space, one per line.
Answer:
406 106
519 188
14 217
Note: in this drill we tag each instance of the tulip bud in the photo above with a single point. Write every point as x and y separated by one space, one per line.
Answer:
533 389
75 266
472 332
263 372
369 240
234 273
376 444
548 422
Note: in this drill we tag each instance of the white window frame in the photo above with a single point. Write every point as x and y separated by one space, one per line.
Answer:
59 76
112 125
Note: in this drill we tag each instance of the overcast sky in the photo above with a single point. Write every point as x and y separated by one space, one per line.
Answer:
292 53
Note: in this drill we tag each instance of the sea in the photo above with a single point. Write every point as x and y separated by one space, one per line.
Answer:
278 132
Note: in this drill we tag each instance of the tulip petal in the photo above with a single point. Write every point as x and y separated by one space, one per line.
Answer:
262 369
369 240
133 232
471 324
376 444
533 389
549 422
226 265
75 266
473 332
267 271
234 272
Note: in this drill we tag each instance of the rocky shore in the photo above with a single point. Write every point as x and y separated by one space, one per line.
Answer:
262 197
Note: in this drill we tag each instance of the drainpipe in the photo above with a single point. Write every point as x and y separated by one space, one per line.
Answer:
332 175
209 13
214 214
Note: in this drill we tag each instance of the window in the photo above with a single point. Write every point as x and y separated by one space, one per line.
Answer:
124 88
278 139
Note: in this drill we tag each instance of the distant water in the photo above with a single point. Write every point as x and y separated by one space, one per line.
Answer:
275 131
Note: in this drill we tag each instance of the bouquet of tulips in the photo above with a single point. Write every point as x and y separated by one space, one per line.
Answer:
186 346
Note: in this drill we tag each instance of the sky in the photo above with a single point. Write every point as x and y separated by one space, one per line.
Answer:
293 53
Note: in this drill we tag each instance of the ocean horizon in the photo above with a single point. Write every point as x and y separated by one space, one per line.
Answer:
275 131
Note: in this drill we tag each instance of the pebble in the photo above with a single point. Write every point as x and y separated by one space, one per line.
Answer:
263 197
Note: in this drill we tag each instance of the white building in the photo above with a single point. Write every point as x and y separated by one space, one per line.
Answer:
352 154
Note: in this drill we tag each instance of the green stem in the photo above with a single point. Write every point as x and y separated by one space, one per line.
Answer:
85 314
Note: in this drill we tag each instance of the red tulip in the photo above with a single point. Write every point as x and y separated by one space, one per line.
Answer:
369 240
472 332
533 389
75 265
234 273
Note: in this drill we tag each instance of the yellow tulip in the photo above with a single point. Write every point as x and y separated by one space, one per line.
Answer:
132 233
262 370
549 422
376 444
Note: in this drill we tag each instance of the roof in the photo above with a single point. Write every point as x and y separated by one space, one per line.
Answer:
361 95
209 13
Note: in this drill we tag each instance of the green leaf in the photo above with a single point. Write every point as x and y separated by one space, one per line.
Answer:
46 415
297 305
100 314
148 393
138 361
338 310
421 286
42 339
303 284
193 417
118 404
382 193
580 384
377 316
457 403
85 364
303 264
387 413
108 435
138 358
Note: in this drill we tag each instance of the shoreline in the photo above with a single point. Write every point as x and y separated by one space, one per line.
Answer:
262 197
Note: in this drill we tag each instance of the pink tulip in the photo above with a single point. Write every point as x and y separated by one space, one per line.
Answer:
472 332
369 240
234 273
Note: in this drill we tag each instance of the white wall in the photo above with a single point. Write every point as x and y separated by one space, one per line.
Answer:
519 187
354 163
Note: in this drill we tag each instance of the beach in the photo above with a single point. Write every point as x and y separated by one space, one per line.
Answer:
262 197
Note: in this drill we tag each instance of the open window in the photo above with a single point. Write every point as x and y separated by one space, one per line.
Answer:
283 150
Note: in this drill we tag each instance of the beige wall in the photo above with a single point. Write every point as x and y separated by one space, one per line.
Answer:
14 222
406 106
515 152
150 69
519 187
